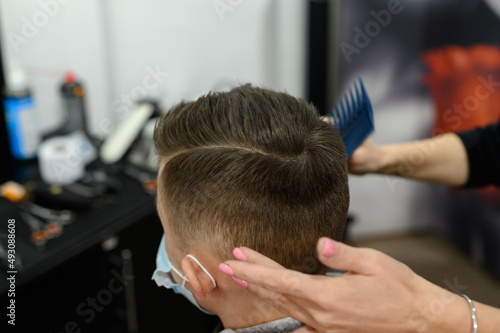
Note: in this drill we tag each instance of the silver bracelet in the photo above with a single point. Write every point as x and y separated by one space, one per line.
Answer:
473 311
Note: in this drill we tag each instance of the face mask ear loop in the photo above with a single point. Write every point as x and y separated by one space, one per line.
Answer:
182 276
204 269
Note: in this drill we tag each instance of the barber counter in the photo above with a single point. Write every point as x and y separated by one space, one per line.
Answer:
96 275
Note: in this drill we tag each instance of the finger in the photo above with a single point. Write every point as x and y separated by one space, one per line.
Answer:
257 258
340 256
270 283
281 302
277 279
328 119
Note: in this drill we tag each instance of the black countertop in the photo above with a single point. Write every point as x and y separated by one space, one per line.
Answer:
130 205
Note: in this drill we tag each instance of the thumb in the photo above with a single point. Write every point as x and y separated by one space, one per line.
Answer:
343 257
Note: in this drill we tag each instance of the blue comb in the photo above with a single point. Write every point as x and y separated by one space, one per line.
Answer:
353 117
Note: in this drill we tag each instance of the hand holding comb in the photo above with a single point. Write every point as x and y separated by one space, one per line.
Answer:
353 117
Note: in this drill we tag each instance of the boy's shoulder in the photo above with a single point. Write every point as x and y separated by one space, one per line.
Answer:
284 325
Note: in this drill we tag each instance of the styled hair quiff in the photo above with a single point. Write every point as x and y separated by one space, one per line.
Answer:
252 167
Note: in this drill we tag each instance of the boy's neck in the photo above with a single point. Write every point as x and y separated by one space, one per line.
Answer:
245 311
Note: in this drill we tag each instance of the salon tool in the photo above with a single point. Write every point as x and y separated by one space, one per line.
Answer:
94 189
38 237
73 95
102 182
143 154
147 179
41 231
62 217
118 143
60 198
136 173
353 117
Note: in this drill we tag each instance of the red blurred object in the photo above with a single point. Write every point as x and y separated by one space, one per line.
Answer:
38 238
465 86
69 78
52 230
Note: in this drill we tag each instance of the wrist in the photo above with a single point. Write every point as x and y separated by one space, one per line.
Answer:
402 160
454 317
439 310
389 163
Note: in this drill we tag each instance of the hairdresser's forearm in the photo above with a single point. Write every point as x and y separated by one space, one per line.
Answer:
442 159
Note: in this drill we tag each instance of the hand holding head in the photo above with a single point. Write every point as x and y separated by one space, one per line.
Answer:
377 294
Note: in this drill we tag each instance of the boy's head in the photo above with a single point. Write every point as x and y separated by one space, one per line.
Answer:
251 167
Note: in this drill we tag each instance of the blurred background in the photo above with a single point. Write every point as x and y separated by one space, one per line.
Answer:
418 61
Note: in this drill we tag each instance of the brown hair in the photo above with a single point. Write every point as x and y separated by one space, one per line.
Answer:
253 167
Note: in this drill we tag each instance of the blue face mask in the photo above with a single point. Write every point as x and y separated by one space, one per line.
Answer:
163 277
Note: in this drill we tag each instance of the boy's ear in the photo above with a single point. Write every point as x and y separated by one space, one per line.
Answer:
200 282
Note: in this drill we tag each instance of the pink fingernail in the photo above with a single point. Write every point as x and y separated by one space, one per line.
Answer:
329 248
226 269
238 254
240 282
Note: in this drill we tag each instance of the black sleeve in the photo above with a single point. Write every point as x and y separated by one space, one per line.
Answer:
483 151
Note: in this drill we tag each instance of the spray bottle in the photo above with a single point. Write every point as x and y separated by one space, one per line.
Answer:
21 119
73 105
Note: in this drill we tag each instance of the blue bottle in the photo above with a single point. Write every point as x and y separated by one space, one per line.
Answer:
20 116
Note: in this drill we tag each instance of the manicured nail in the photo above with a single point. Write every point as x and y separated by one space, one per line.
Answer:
329 248
240 282
238 254
226 269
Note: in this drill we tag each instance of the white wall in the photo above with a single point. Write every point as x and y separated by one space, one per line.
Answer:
200 47
124 50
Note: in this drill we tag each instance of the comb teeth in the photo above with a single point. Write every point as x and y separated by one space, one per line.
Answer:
353 117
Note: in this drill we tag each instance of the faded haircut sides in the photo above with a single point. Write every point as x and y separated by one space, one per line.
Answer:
253 167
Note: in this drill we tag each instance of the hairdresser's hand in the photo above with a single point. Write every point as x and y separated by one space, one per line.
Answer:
368 158
441 159
378 294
